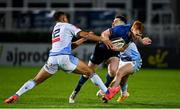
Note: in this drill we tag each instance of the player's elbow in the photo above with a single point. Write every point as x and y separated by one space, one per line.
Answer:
83 34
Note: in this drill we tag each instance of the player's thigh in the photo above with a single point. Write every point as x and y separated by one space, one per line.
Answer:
125 69
113 64
67 63
42 76
82 68
92 65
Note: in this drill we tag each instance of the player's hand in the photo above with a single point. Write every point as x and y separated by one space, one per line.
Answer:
115 48
107 42
146 41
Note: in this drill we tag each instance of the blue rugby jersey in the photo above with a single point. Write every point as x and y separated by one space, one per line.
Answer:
121 31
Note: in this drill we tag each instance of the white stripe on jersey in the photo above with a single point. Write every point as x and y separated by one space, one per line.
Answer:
62 37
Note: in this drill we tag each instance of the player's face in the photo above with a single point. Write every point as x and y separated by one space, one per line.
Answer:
63 18
117 22
136 33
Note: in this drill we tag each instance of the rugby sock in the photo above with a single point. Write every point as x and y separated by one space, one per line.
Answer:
97 81
124 89
27 86
81 81
108 80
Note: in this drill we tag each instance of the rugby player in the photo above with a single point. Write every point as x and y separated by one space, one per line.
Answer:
60 56
101 53
131 60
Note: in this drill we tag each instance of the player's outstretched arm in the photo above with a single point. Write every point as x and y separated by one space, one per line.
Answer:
80 41
93 37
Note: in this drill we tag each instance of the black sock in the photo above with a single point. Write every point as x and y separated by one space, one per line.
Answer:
82 80
108 80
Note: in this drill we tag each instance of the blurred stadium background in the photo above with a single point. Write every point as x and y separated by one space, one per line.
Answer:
25 39
25 28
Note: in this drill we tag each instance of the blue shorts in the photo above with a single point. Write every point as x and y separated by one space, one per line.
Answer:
101 53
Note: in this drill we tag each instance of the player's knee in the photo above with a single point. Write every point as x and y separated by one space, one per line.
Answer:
88 72
112 72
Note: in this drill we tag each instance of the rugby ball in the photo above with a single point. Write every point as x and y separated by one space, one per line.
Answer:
119 43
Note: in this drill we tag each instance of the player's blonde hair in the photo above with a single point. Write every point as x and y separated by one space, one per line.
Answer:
138 25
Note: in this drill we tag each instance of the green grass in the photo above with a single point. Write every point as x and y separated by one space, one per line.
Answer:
148 89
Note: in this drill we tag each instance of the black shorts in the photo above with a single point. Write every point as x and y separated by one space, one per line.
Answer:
101 53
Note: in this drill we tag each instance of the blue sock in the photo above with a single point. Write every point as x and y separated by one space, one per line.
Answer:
108 80
124 88
82 80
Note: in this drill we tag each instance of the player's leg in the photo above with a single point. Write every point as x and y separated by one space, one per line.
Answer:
95 59
126 69
124 86
82 80
113 63
39 78
121 72
82 68
136 65
70 63
47 71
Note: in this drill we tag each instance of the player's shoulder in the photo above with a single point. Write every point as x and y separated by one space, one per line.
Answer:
63 24
125 25
71 26
132 45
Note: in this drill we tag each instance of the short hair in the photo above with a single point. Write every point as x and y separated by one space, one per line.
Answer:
138 25
122 18
58 14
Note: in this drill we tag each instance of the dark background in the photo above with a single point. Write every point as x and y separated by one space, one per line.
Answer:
31 21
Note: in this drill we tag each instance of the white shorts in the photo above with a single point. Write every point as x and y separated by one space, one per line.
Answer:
67 63
135 64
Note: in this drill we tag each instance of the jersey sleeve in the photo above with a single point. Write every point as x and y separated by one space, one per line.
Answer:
73 29
114 31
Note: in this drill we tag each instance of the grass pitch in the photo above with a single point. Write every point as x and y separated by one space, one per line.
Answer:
148 89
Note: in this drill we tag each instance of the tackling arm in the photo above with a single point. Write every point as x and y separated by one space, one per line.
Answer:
80 41
93 37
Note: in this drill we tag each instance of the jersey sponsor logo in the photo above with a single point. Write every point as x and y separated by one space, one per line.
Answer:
17 57
159 58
